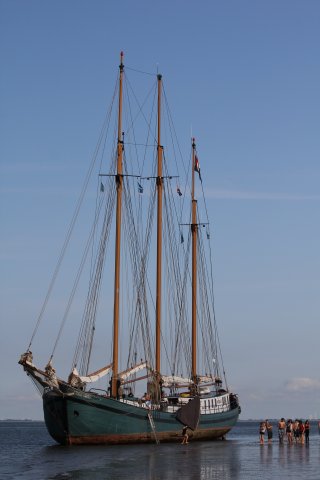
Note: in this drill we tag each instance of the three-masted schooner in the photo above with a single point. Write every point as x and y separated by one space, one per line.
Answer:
186 393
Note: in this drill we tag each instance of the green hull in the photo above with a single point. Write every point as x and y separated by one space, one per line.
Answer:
86 418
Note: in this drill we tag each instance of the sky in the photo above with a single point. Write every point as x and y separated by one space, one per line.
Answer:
243 76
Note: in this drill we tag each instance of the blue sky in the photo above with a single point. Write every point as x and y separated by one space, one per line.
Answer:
244 76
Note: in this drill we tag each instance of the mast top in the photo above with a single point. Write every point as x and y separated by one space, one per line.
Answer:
121 58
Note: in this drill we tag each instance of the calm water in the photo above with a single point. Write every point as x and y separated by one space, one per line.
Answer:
27 452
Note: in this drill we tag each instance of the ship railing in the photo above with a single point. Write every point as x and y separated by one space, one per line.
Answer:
216 409
206 409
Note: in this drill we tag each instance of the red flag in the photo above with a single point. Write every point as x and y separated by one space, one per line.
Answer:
197 167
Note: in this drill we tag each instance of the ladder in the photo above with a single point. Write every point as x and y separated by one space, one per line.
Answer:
153 427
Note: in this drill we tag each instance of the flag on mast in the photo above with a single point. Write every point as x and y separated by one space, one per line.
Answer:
197 167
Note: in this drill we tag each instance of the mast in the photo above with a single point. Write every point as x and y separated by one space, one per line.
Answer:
159 231
119 180
194 233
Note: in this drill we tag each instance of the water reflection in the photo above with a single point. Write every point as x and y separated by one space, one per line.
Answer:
229 460
266 454
285 455
197 461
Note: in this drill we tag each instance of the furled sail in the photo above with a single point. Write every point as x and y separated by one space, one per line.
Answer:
74 377
132 370
173 380
209 379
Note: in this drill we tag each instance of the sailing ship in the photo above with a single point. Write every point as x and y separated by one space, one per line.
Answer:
178 371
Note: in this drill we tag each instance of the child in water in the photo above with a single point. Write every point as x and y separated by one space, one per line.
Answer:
185 435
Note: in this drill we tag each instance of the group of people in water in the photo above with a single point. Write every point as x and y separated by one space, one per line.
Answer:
293 431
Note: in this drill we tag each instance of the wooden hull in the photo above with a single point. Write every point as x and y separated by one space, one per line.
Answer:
85 418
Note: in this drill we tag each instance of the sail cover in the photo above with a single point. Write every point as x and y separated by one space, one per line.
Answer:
189 413
173 380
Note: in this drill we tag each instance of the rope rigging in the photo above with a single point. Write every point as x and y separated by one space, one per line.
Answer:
137 260
85 339
103 134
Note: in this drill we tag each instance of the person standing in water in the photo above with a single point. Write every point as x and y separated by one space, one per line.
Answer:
281 429
289 431
269 431
296 432
302 431
306 431
185 435
262 431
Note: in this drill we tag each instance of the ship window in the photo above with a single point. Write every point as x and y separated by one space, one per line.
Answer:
75 413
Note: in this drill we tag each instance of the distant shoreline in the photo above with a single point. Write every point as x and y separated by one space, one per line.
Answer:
28 420
20 420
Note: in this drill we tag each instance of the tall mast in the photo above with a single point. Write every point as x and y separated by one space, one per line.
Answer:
119 179
194 233
159 231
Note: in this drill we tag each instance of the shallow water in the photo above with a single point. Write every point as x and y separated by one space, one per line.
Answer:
28 452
